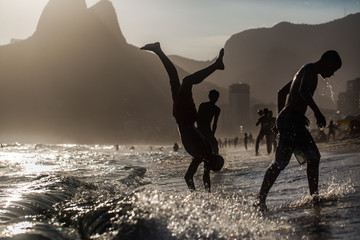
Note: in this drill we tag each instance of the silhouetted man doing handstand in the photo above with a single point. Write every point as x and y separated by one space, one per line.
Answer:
291 123
208 112
185 113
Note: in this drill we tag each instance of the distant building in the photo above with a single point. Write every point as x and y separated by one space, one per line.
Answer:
224 120
349 101
239 105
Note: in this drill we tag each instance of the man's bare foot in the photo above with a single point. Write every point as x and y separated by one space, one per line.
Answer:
316 200
151 47
261 205
190 184
219 60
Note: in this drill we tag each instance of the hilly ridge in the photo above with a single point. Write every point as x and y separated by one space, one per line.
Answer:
72 79
77 80
268 58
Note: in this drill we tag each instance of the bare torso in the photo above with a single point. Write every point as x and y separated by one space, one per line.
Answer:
304 83
206 113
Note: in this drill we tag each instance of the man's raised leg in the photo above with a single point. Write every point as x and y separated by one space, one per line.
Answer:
169 66
200 75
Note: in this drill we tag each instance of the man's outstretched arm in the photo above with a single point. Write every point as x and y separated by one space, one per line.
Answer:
306 95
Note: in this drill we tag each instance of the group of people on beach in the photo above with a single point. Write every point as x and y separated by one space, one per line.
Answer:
235 141
267 129
291 123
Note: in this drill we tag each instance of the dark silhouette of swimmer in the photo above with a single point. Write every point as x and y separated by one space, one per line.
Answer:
175 147
185 113
332 130
264 131
220 143
208 112
251 139
293 100
246 140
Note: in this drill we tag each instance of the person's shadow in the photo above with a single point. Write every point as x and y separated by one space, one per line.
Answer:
318 228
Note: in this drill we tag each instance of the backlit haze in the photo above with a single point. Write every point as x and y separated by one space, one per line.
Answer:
193 29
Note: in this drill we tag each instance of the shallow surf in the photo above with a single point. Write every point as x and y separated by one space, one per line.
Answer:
96 192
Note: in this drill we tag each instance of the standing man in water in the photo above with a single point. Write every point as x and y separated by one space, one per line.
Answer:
291 123
332 128
264 130
208 111
185 113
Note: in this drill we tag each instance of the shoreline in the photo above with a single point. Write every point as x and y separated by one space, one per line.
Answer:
344 145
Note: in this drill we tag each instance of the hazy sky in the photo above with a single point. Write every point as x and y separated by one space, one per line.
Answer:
190 28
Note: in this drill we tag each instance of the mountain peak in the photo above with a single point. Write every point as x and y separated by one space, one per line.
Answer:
106 13
66 18
283 24
59 13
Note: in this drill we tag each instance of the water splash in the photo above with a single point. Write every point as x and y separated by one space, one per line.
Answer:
330 87
99 193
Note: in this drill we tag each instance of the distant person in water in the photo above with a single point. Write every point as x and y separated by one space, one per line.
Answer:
185 113
208 112
264 131
246 140
175 147
296 96
332 128
251 138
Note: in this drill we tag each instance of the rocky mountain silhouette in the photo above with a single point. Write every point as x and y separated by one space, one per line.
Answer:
76 79
268 58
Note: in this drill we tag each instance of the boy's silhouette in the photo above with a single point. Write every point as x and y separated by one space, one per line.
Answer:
208 111
264 131
246 140
185 113
332 130
292 123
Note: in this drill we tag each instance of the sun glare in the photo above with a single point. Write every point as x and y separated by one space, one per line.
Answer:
17 228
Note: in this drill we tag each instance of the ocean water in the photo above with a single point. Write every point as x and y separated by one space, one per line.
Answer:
96 192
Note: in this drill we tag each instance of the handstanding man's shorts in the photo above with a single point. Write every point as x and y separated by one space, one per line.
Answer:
294 138
194 141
